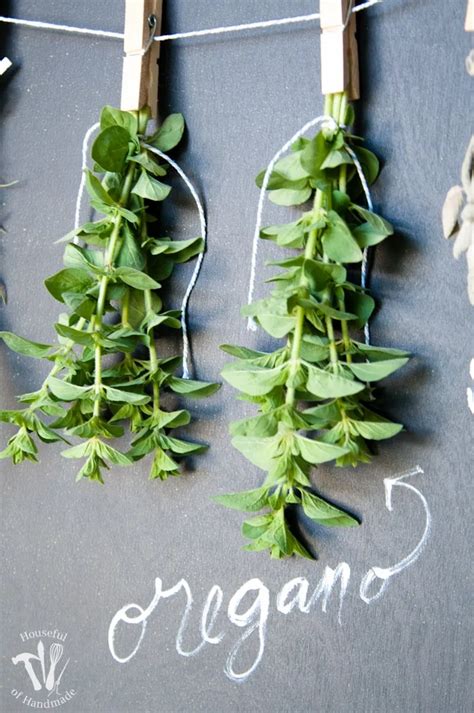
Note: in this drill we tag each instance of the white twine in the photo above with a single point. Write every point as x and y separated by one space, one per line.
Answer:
251 324
82 185
197 269
364 270
181 35
202 220
331 123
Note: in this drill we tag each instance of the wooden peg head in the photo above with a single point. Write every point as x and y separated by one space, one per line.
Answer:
140 70
339 57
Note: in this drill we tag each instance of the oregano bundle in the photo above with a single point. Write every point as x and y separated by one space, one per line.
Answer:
315 393
106 372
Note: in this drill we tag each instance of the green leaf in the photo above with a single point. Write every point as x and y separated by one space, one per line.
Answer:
315 452
297 548
26 347
373 371
290 196
163 466
376 428
254 380
290 167
316 274
314 348
170 319
137 306
256 526
314 155
80 451
367 236
361 304
335 158
64 391
127 397
110 454
330 386
77 257
96 189
169 134
127 214
135 278
180 447
330 311
272 314
110 149
276 325
265 424
259 451
145 160
340 201
376 353
375 223
279 532
110 116
337 240
241 352
324 415
130 254
322 512
247 500
290 235
190 387
369 163
76 335
71 279
151 188
181 250
172 419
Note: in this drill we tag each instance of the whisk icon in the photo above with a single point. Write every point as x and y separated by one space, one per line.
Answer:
55 654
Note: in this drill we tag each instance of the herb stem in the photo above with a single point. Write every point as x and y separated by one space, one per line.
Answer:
300 311
342 187
104 283
125 309
153 355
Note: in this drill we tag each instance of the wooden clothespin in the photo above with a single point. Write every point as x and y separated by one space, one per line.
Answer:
140 64
339 57
469 24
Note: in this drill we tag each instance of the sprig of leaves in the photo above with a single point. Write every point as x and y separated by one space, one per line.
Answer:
313 393
106 374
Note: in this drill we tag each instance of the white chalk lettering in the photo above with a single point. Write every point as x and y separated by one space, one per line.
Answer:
293 595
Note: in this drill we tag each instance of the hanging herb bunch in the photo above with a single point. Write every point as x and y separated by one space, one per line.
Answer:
313 393
105 368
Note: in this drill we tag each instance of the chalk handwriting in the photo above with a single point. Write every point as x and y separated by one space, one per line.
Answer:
295 594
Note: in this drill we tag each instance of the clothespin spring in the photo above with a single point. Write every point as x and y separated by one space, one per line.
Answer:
152 24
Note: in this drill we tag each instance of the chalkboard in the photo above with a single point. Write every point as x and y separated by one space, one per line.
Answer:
387 627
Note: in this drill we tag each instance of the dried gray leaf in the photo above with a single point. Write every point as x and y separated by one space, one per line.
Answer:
451 210
470 63
467 170
470 273
463 240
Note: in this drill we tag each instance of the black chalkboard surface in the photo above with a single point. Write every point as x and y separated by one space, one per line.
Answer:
378 624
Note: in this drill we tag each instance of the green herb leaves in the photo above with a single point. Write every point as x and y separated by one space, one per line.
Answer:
106 374
312 393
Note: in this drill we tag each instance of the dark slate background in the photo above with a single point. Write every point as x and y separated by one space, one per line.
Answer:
74 554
